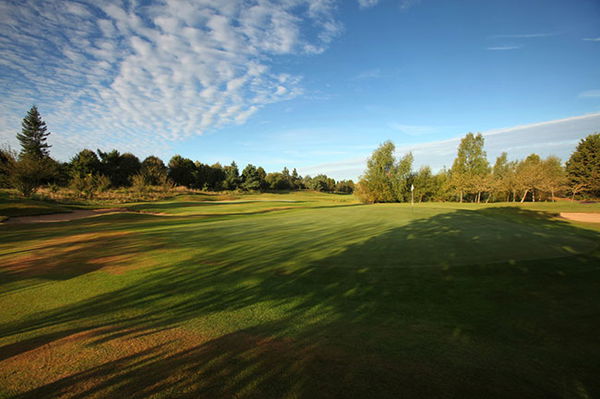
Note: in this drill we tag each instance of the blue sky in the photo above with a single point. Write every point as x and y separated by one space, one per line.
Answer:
311 84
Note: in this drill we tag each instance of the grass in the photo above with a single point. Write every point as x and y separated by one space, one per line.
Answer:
325 298
11 206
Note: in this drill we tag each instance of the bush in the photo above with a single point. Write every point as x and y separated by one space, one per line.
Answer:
27 174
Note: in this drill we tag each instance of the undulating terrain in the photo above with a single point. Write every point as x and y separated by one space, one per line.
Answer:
302 295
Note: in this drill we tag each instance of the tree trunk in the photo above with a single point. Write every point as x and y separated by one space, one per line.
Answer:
478 196
524 195
552 192
461 196
533 195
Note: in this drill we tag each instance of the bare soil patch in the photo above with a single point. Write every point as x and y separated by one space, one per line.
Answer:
581 217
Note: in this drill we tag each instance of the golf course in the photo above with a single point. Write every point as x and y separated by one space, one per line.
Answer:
300 295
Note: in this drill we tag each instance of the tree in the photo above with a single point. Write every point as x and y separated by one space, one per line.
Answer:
27 173
502 176
554 178
7 159
232 177
470 169
262 175
528 176
154 171
250 179
277 181
34 133
84 163
385 180
424 184
583 167
181 171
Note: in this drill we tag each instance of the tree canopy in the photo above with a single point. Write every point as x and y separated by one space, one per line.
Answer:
583 167
33 136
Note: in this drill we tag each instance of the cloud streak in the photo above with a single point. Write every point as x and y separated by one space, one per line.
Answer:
139 75
590 94
504 48
558 137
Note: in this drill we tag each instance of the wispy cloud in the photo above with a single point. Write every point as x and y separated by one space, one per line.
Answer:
374 73
367 3
413 130
406 4
590 94
592 39
557 137
139 75
523 35
504 48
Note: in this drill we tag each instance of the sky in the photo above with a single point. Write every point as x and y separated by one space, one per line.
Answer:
315 85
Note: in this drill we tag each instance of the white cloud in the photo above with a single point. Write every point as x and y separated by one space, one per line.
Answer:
138 75
367 3
413 130
523 35
374 73
590 94
406 4
557 137
592 39
504 48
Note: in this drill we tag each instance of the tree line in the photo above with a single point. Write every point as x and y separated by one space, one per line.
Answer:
472 178
88 172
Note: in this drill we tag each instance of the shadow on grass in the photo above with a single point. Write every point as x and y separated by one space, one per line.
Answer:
498 302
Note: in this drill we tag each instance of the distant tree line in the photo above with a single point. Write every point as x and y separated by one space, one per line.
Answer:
473 179
89 172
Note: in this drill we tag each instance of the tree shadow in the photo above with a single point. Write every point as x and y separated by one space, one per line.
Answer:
461 304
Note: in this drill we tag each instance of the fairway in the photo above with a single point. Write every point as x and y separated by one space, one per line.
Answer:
302 295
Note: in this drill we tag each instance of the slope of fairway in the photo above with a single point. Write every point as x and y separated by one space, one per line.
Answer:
326 299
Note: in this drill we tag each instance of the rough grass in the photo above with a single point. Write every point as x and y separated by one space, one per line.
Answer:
10 206
327 299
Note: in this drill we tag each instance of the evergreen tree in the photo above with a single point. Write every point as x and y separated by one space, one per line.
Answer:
583 168
250 178
33 136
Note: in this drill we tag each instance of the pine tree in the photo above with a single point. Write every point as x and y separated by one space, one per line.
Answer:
583 168
33 136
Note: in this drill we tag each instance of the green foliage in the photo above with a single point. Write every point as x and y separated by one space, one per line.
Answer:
119 168
528 176
154 170
232 177
425 187
84 163
277 181
583 167
344 186
385 180
182 171
554 178
90 185
33 136
251 179
7 158
27 174
470 170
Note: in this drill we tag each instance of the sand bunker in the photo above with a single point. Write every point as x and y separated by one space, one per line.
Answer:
581 217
